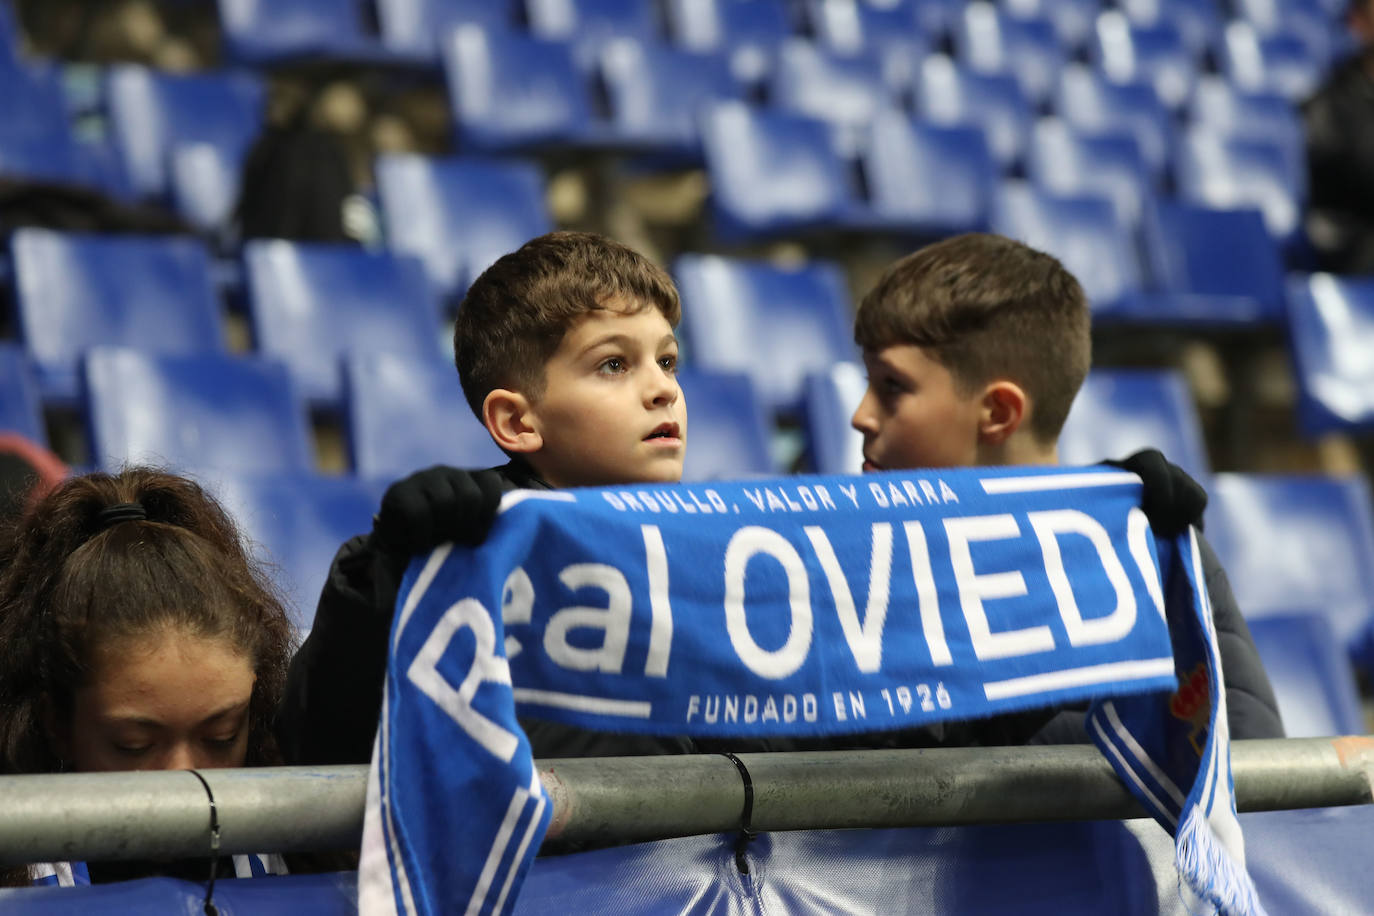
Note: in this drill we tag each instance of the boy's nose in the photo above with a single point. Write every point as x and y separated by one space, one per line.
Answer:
862 419
662 391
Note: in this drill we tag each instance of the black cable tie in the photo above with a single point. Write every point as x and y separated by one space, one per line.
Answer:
210 909
746 815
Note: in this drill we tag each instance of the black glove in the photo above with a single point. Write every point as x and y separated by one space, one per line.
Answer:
1172 500
434 506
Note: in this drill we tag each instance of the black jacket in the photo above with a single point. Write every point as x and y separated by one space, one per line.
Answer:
1339 123
333 694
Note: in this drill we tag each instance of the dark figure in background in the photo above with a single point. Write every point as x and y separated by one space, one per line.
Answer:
1339 121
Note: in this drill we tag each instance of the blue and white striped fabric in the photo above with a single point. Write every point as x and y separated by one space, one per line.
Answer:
796 606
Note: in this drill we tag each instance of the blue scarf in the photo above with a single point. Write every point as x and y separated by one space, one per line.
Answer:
789 607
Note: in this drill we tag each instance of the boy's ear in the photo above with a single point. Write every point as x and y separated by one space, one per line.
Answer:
508 417
1005 405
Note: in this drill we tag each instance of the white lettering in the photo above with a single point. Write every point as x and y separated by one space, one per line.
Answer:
1048 526
975 588
824 495
661 629
878 496
865 639
745 544
1142 551
852 491
807 499
928 599
517 603
613 620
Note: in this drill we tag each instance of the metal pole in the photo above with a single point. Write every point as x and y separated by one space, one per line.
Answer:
166 814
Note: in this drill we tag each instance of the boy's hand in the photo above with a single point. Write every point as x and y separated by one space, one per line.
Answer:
434 506
1172 499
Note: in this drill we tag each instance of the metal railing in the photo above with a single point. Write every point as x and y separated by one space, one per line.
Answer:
95 816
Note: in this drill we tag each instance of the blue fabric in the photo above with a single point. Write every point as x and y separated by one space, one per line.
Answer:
798 606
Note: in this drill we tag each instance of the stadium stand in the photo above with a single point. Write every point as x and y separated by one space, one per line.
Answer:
1119 411
405 414
1073 20
1154 54
1269 63
297 521
728 25
1199 22
1082 231
36 142
845 91
1311 675
1069 162
459 214
1295 543
656 92
259 34
856 27
1091 103
194 412
1221 107
75 291
1214 267
588 25
1330 323
151 113
417 26
1231 172
939 179
832 396
205 181
21 411
991 42
774 324
949 94
311 304
727 430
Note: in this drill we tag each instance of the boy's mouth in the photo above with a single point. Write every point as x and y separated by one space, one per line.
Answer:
871 465
668 431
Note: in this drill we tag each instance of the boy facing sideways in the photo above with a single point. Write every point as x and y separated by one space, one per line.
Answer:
566 352
975 348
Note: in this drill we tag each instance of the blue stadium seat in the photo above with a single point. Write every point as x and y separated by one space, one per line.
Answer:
1310 674
846 91
21 411
656 94
509 92
727 431
723 25
1154 54
1269 63
932 176
1066 161
404 415
991 42
418 26
776 324
296 522
312 303
1236 172
1304 20
36 141
832 396
459 214
1299 544
857 26
1331 328
1199 22
205 181
151 113
1120 411
773 174
1082 232
1091 103
1073 20
1215 267
75 291
189 412
1219 106
589 24
955 96
259 33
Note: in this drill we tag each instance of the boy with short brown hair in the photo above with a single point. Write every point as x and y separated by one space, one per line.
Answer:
975 348
566 352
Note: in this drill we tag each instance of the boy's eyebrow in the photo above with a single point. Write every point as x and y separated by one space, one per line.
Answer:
624 340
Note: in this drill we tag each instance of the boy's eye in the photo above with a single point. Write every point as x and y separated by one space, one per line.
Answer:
612 365
223 743
669 363
132 750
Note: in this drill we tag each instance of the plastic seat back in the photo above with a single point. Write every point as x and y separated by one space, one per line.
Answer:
203 411
1120 411
21 411
832 396
1331 328
1310 674
727 431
